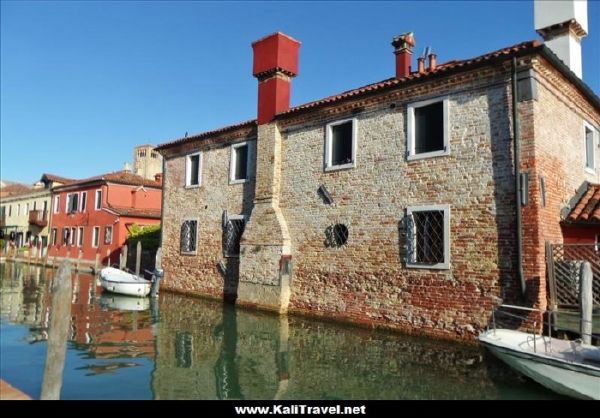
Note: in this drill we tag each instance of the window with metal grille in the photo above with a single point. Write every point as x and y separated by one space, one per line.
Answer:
340 144
233 229
239 163
428 128
336 235
189 234
428 237
183 349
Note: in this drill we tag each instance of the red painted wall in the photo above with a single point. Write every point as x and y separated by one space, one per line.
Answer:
580 235
113 195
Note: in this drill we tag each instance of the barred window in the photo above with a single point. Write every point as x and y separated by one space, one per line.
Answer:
232 234
428 237
189 233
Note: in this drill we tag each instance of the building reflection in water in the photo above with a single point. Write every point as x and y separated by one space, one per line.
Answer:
199 349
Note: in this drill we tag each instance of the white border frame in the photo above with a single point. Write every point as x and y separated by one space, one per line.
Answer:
97 205
188 170
233 161
410 129
591 170
78 202
80 236
81 207
56 205
446 209
328 137
195 252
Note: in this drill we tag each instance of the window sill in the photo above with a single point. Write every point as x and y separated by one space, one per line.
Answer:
590 171
340 167
192 186
189 252
238 181
439 266
424 155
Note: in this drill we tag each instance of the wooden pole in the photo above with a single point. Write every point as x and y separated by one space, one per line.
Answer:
586 302
79 256
158 258
123 262
138 258
58 333
96 262
108 257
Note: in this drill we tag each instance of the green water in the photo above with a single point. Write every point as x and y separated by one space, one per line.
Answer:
189 348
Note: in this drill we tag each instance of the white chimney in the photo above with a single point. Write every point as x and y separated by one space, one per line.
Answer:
562 24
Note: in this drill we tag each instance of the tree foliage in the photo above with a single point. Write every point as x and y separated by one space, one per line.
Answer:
149 236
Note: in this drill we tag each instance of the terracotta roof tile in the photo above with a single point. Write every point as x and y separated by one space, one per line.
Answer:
120 177
587 210
59 179
135 212
15 189
388 83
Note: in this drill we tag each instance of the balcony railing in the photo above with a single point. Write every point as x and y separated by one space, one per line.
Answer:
38 217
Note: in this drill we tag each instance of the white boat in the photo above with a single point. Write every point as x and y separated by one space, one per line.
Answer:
124 303
119 281
570 368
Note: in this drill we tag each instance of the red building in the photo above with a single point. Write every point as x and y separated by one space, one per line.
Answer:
94 215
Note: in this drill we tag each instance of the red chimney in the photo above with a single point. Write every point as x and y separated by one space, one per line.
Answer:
432 62
421 65
403 45
275 63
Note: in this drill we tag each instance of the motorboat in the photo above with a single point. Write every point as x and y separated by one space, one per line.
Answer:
122 282
568 367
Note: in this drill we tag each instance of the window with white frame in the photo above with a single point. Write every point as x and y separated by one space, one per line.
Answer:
428 236
428 128
233 228
80 237
238 169
189 236
72 202
193 170
340 144
98 199
73 236
9 210
83 201
589 144
108 235
56 204
66 236
53 235
96 237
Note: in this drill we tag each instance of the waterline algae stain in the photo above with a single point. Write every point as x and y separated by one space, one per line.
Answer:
187 348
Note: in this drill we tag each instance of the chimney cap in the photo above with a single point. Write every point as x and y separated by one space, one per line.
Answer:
404 41
275 52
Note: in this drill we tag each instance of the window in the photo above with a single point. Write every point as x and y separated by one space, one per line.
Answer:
142 153
83 201
428 237
66 236
340 144
96 236
193 167
428 129
26 209
80 237
72 202
9 210
153 154
232 233
56 204
590 163
238 168
108 235
98 202
73 236
53 235
189 236
18 209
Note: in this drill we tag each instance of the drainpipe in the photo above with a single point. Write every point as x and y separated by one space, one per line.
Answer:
517 156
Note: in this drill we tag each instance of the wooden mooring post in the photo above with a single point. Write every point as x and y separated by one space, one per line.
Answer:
138 258
123 259
58 333
586 302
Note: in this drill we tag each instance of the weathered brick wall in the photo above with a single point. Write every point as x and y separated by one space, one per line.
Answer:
365 280
553 149
200 273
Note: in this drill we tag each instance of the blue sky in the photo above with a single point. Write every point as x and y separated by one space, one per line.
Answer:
82 83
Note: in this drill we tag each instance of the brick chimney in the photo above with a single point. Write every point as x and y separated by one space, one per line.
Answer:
403 45
432 61
275 63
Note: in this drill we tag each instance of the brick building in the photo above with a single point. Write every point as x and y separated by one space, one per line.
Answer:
94 215
393 204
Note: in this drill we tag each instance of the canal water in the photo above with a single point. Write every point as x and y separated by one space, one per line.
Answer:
189 348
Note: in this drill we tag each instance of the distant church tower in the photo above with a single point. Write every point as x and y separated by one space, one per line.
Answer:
146 162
